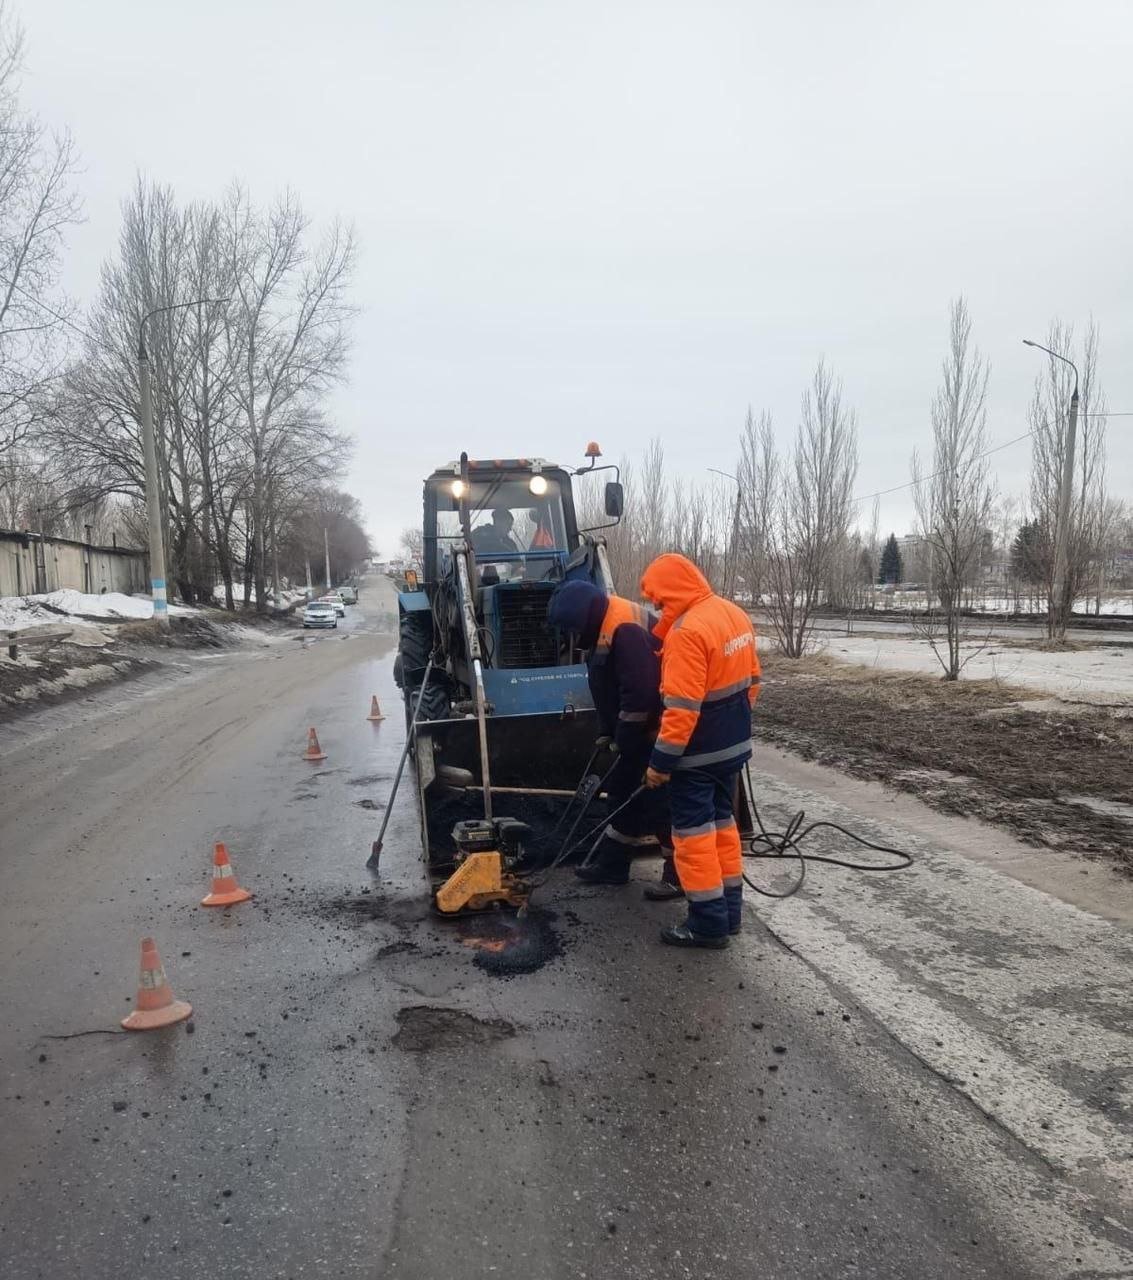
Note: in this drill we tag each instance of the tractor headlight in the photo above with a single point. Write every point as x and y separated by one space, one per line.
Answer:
458 488
538 485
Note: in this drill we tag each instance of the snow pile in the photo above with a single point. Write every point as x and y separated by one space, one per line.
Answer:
286 596
17 612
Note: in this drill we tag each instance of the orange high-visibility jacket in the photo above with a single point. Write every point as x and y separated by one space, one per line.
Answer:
709 669
619 611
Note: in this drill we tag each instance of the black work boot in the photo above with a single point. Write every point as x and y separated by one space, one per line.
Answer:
680 935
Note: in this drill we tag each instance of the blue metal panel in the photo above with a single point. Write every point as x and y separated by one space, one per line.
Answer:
413 601
533 690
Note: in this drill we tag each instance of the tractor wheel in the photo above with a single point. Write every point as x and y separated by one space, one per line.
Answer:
435 703
415 643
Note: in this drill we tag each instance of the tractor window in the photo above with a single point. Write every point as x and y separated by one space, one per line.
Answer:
507 519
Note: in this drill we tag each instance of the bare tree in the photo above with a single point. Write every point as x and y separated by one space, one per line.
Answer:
758 475
238 384
812 510
954 499
287 334
1111 522
412 545
37 204
1049 421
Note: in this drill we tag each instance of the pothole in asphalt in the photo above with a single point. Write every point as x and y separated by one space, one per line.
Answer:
367 779
367 803
396 949
425 1028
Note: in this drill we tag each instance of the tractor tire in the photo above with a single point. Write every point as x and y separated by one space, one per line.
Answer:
415 643
435 703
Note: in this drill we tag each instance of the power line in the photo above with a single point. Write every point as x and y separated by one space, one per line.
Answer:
1123 413
911 483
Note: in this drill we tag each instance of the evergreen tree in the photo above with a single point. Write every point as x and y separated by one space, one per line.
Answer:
891 567
1029 553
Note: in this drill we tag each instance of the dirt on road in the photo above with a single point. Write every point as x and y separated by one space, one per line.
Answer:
1057 776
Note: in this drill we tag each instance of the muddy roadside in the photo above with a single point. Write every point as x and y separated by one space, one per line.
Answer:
1056 775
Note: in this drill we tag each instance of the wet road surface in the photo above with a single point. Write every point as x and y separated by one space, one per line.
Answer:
355 1097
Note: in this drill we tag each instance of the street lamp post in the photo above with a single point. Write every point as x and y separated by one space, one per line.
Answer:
149 453
1059 606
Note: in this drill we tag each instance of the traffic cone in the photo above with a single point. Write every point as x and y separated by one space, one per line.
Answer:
225 891
314 751
155 1004
375 710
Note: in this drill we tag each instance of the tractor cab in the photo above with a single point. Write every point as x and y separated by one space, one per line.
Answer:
506 707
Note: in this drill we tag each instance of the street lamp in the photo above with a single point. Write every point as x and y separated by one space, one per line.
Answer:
149 452
1056 612
735 525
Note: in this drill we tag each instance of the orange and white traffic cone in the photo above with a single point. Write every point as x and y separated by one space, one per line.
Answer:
375 710
225 890
314 751
155 1005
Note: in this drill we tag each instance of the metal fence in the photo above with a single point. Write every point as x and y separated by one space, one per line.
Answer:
33 565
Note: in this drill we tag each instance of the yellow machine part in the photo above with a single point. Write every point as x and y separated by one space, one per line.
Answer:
478 882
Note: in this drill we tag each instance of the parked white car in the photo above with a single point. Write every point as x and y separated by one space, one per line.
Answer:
334 598
320 613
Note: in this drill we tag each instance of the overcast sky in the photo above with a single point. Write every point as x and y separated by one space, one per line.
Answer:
619 220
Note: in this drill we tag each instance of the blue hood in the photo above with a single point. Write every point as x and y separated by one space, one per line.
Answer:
578 607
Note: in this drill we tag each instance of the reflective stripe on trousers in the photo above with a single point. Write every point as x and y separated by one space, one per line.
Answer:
706 843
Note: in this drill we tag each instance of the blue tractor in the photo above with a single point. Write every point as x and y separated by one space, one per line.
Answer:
497 704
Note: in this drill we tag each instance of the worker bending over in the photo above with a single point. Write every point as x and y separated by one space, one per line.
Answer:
624 672
709 682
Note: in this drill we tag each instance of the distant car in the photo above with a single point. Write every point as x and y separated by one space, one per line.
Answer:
320 613
334 598
349 595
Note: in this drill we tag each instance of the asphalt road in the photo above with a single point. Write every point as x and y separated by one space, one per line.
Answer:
355 1097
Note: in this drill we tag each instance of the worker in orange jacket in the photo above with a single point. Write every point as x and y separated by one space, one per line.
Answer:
709 683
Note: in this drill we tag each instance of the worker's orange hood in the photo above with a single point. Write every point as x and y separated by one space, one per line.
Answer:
676 584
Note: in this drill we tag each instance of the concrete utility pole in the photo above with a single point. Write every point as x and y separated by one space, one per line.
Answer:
153 499
149 450
326 548
1058 607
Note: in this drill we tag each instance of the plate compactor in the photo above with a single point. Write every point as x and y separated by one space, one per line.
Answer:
498 709
488 849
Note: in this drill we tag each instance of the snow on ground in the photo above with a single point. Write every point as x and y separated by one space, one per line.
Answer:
1116 604
286 597
17 612
1096 675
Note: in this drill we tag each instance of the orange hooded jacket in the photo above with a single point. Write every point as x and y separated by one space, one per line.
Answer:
709 669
